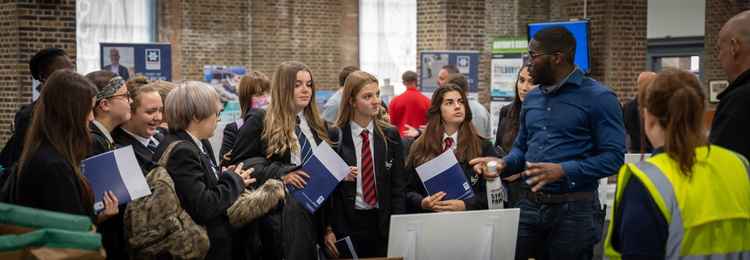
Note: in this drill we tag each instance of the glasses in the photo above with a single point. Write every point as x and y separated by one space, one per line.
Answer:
126 96
534 55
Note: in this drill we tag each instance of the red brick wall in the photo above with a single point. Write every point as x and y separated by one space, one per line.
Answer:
310 31
261 34
208 32
458 25
25 28
618 41
467 30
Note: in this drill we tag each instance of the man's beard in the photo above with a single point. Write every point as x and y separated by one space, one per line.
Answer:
543 75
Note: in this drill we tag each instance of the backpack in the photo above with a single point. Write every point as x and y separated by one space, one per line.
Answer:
156 224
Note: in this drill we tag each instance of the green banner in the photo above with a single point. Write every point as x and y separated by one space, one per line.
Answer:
509 45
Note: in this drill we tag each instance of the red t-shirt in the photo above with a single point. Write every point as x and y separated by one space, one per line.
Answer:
409 108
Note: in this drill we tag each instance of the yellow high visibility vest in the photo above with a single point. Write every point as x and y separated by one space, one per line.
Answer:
708 211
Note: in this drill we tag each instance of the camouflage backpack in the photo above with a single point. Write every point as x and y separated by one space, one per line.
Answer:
157 225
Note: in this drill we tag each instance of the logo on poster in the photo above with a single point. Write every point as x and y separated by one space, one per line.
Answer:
153 59
463 64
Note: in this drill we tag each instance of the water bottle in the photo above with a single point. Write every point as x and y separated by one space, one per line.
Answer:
496 194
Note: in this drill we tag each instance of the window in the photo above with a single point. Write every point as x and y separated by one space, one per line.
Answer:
689 63
121 21
388 41
683 53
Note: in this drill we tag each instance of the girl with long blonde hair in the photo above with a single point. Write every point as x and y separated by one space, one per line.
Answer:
276 142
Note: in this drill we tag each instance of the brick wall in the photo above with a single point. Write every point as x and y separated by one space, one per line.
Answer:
260 34
205 33
618 40
718 12
25 28
459 25
312 32
467 30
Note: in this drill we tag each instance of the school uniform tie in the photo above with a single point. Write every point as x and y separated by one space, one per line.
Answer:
305 151
211 164
448 143
152 146
368 177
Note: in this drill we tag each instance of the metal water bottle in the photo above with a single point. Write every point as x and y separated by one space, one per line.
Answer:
496 194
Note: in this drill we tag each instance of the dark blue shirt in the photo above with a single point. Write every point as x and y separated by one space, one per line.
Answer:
578 124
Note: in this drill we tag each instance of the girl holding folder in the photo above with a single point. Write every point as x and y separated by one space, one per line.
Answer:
276 142
448 127
362 204
205 191
49 171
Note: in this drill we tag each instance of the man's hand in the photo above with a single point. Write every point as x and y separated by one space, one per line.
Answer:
540 174
450 205
410 131
480 166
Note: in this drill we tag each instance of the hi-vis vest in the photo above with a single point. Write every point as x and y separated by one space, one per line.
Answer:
708 212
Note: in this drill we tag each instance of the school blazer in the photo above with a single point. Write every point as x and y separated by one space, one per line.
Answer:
390 179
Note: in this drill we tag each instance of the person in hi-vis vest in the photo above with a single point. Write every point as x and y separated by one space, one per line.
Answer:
690 199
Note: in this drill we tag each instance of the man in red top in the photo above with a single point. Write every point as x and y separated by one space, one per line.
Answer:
409 108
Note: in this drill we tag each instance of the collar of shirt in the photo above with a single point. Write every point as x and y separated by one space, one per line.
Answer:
305 127
141 139
357 130
306 133
104 131
301 117
455 139
197 142
741 80
574 77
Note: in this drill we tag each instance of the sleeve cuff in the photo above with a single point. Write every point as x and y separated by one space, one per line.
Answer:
512 164
572 172
234 178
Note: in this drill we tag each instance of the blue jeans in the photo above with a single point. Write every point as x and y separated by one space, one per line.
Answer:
558 231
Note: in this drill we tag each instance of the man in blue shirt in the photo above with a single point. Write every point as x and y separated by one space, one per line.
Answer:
571 135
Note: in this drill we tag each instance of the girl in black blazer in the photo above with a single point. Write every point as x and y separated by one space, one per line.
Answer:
49 175
362 204
448 127
507 130
205 192
253 94
284 137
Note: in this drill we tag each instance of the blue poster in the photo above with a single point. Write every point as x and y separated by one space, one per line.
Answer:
467 63
152 60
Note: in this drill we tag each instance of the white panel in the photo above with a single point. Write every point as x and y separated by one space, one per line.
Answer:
121 21
388 40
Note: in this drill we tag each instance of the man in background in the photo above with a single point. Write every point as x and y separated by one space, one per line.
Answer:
409 110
